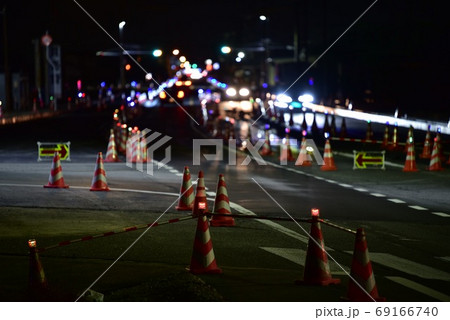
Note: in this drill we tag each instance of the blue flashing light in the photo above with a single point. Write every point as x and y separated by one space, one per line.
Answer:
128 99
311 81
265 85
267 126
103 84
133 83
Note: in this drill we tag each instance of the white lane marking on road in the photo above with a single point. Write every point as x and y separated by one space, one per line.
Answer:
408 266
319 178
210 193
330 181
173 171
418 208
420 288
298 256
446 259
441 214
179 174
361 189
396 200
378 195
345 185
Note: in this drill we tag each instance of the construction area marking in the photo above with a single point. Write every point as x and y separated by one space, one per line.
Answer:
446 259
361 189
420 288
365 160
345 185
48 149
418 208
396 200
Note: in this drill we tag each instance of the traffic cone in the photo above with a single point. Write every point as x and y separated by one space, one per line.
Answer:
439 146
435 161
328 158
343 132
326 126
409 138
314 127
317 269
186 202
385 143
266 149
286 152
203 259
99 180
36 277
123 139
56 179
394 142
410 163
362 273
369 132
333 126
222 206
200 203
304 124
143 150
111 153
304 159
426 152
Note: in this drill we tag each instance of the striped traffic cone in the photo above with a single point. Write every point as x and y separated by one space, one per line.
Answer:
410 163
143 146
426 152
409 138
186 202
394 142
304 159
266 149
222 206
56 179
203 259
362 286
369 132
123 139
286 152
36 278
111 153
328 158
200 203
435 161
385 143
99 180
439 145
317 269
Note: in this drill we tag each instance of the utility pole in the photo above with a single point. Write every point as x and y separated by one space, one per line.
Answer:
8 87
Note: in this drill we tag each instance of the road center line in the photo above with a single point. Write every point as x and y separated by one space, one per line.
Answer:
420 288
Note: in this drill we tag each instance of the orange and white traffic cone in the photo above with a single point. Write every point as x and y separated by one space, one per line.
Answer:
56 179
394 142
426 152
203 259
286 152
99 180
36 278
123 139
266 149
385 143
186 202
304 159
317 269
143 150
328 158
362 286
409 138
410 163
439 145
111 153
222 206
369 132
200 203
435 161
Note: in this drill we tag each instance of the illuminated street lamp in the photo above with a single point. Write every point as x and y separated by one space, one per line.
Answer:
122 60
225 49
157 53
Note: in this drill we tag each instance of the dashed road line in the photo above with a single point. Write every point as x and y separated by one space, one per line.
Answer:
345 185
361 189
446 259
418 208
441 214
378 195
396 200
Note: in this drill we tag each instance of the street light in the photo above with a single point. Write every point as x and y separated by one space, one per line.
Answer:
262 17
225 49
157 53
122 59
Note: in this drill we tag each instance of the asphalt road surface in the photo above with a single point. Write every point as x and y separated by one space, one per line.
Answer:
405 216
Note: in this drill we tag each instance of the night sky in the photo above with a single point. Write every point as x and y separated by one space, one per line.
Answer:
399 50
